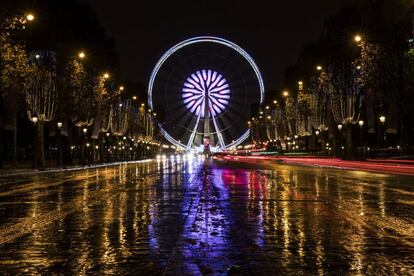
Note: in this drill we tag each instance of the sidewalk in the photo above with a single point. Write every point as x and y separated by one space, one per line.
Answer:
405 167
24 169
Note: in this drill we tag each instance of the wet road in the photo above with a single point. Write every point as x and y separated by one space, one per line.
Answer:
199 217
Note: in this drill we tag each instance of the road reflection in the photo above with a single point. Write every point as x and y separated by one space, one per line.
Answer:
190 215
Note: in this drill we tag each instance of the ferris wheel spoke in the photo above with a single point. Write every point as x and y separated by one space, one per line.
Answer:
220 137
192 136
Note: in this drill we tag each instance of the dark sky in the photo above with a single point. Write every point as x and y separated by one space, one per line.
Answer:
271 31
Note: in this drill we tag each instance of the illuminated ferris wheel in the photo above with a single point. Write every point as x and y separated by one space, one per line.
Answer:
204 88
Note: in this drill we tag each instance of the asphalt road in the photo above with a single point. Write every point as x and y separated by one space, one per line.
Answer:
197 216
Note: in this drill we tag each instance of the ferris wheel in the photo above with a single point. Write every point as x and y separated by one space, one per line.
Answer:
204 88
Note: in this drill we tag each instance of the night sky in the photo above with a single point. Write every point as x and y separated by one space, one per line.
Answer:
271 31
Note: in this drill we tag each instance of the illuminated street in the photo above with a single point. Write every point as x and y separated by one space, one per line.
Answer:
192 216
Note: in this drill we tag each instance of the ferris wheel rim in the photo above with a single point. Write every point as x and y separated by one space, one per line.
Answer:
201 39
204 39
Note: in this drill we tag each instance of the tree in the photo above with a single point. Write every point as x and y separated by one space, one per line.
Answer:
14 71
41 98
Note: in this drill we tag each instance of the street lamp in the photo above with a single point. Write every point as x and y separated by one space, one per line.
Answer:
317 132
84 130
121 88
339 127
358 38
285 93
319 68
382 119
59 125
35 120
81 55
275 101
106 75
361 123
134 97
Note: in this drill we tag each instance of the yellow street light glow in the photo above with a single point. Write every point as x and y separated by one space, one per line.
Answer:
300 82
30 17
319 68
275 102
106 76
121 88
285 93
134 97
81 55
358 38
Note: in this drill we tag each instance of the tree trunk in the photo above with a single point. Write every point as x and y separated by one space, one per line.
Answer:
14 147
349 142
1 146
40 148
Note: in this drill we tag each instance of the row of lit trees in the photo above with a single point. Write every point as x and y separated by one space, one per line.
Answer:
84 108
331 105
349 95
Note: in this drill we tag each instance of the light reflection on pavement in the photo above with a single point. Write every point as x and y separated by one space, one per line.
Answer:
200 217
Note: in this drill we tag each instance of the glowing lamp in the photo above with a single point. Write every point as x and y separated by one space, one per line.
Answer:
382 119
35 120
30 17
339 127
59 124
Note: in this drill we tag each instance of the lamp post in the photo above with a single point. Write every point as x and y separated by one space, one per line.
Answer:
339 142
362 146
384 134
35 120
59 143
83 140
